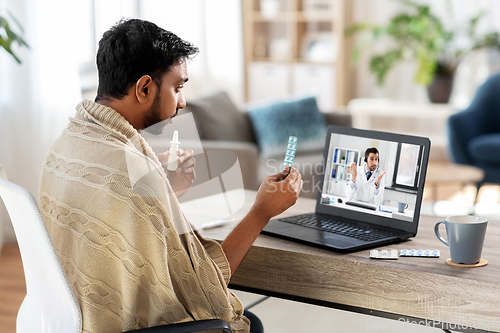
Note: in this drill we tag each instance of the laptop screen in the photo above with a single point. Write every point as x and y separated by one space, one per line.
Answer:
373 176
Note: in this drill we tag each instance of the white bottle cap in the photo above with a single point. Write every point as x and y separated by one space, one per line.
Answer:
175 139
172 158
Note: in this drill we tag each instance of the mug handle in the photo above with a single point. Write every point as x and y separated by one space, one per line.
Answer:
438 235
406 207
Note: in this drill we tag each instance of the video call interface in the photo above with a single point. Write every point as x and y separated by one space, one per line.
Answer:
396 196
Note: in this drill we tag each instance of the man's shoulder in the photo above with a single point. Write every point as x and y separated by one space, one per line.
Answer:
90 131
81 134
81 147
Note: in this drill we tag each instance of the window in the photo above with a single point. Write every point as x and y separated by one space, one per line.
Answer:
407 171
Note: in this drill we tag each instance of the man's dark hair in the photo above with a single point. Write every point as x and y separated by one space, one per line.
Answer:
370 150
133 48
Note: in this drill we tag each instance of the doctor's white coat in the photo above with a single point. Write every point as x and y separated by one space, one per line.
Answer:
365 189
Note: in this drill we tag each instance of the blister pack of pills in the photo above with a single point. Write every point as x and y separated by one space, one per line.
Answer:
384 254
420 253
290 150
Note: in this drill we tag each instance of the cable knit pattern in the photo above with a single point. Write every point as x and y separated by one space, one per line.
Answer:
131 256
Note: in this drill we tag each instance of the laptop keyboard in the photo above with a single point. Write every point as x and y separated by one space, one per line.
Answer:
325 223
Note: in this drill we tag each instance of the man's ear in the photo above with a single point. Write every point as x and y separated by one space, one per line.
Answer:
144 89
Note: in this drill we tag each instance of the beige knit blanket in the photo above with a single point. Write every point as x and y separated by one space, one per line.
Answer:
130 255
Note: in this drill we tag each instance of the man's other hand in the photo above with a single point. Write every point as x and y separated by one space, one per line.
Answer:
183 177
379 179
277 193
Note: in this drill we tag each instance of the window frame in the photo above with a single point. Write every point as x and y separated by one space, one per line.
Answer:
417 173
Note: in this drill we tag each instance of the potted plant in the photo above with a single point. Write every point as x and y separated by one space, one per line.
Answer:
419 35
8 36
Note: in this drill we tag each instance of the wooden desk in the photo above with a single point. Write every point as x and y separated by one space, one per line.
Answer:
407 289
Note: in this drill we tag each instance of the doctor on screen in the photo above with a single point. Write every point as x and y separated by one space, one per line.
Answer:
366 182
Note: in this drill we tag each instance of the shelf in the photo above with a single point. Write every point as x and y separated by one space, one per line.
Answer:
314 17
297 33
278 17
346 157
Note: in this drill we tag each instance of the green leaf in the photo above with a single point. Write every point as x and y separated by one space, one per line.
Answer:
381 64
8 36
426 68
354 29
473 23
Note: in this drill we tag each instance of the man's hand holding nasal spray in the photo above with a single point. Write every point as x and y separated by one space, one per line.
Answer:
179 166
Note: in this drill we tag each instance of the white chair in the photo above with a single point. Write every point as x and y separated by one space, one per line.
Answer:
50 305
3 215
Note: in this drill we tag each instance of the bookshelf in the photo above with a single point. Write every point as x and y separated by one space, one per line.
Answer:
295 46
337 169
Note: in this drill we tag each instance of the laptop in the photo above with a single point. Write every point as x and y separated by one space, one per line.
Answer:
347 219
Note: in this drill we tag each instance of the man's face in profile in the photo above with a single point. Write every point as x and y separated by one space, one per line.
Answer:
168 100
372 162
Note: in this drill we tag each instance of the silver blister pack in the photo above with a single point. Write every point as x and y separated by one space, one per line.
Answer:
384 254
420 253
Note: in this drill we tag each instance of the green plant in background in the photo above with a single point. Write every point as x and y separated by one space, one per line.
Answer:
8 36
421 36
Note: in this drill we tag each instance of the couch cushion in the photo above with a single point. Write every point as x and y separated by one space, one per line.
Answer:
217 118
485 148
274 122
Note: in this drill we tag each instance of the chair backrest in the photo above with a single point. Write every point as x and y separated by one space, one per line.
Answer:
49 305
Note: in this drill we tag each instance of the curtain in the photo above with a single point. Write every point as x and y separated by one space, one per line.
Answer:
38 96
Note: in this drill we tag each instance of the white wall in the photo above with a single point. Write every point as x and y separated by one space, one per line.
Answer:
214 26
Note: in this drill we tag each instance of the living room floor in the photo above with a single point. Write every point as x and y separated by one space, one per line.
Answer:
281 315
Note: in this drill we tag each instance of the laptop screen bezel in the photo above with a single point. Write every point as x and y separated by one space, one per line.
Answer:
367 217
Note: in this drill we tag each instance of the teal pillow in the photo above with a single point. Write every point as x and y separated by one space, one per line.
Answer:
274 122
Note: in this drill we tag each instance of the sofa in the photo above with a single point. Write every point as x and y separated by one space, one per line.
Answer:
222 127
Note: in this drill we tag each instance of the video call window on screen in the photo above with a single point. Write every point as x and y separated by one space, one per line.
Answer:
401 163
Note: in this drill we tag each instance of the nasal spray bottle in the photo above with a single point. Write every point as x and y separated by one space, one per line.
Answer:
172 158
